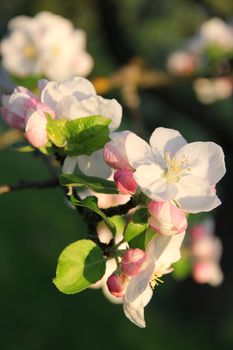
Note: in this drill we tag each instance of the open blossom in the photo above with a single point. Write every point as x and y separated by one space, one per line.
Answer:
206 251
182 63
161 253
171 169
46 44
23 110
75 98
166 218
212 90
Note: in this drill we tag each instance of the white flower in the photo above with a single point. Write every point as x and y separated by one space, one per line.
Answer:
171 169
46 44
75 98
161 253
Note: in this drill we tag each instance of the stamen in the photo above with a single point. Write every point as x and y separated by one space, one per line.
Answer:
175 169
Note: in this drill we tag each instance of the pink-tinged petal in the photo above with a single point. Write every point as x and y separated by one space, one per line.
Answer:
125 182
132 261
207 272
36 132
205 160
165 140
12 119
114 151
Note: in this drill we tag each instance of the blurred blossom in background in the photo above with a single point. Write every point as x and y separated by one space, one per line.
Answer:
170 64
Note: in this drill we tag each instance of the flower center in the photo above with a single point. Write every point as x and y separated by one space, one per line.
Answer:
155 278
174 168
29 52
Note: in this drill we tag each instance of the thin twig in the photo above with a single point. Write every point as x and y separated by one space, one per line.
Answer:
23 185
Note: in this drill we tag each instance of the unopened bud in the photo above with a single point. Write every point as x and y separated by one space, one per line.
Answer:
166 218
132 261
125 182
117 284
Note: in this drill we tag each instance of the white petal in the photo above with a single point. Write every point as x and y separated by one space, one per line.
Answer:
195 195
199 204
166 249
137 295
53 92
137 150
206 160
165 140
151 181
69 165
95 165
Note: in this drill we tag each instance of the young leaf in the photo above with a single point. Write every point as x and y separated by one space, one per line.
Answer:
56 131
95 184
86 135
91 203
137 225
79 265
143 239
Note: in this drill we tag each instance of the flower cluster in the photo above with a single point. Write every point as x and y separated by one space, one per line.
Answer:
206 251
213 43
47 45
167 179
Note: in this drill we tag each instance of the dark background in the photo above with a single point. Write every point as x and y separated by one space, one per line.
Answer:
36 225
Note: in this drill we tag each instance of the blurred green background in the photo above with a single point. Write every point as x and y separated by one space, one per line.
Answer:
36 225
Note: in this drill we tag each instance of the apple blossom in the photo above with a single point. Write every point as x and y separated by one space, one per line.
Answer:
171 169
206 251
125 182
46 44
212 90
75 98
182 63
132 261
161 253
23 110
117 284
166 218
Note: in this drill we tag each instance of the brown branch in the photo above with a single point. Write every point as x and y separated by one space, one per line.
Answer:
23 185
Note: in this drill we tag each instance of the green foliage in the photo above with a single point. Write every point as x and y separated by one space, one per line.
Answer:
79 265
79 136
91 203
137 225
138 233
182 268
95 184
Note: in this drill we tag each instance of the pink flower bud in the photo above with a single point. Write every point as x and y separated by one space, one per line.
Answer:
117 284
166 218
114 151
36 131
132 261
207 272
125 182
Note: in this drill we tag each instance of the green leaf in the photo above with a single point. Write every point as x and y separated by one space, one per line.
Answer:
137 225
81 136
182 268
95 184
79 265
22 147
56 131
91 203
143 239
86 135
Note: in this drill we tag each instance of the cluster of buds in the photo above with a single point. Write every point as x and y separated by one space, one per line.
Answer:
213 43
131 265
